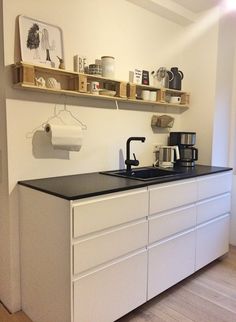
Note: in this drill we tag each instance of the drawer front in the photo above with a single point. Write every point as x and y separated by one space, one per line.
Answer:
172 195
115 209
108 294
171 222
214 207
212 240
110 245
170 261
209 186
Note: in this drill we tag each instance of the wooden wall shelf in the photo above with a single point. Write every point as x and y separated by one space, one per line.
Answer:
77 84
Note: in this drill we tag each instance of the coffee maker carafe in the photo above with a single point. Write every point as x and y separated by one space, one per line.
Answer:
185 141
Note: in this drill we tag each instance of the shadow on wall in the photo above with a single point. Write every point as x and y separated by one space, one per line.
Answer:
121 159
43 149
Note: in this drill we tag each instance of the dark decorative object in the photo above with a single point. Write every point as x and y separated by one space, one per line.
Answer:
175 83
33 40
62 64
145 77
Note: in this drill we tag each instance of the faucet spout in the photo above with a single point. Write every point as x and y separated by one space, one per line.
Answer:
129 161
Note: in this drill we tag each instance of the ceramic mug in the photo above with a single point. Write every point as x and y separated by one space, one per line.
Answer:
94 88
153 96
145 94
175 99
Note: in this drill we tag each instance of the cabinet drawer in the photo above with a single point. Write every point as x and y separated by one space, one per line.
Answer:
110 293
103 212
213 185
172 195
212 240
109 245
170 261
171 222
212 208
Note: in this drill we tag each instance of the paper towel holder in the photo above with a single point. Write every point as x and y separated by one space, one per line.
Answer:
56 115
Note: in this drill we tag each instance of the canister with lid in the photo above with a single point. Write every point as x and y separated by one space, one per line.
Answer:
108 66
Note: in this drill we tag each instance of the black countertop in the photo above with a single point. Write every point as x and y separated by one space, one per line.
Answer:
93 184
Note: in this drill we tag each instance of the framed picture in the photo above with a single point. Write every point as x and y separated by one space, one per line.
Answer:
40 42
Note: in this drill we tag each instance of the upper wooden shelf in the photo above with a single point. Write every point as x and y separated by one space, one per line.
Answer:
26 76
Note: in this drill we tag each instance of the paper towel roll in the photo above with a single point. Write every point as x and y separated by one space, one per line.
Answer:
65 137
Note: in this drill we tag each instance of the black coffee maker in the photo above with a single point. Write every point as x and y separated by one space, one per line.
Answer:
185 141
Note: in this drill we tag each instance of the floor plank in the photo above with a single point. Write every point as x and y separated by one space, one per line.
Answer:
207 296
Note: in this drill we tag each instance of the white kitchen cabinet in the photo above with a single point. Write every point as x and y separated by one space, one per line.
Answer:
109 293
212 233
85 260
99 213
170 261
171 222
212 240
104 246
97 258
213 207
214 184
172 194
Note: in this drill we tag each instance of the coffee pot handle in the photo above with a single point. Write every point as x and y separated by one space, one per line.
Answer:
171 75
195 154
181 74
176 148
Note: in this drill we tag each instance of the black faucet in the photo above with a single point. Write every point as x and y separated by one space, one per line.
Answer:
128 161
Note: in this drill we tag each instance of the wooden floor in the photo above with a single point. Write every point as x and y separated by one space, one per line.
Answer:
207 296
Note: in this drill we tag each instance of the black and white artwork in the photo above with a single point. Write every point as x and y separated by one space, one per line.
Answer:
41 43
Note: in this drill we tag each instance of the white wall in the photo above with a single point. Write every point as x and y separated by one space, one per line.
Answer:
136 38
223 92
200 59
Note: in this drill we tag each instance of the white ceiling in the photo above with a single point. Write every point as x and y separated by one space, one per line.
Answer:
182 12
197 5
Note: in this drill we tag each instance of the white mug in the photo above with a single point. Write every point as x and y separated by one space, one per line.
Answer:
145 95
153 96
175 99
94 88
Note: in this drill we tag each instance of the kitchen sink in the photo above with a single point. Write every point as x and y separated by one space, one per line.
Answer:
143 174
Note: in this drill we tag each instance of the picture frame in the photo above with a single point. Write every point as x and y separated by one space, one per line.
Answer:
40 42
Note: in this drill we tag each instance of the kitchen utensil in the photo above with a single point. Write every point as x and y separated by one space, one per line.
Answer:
163 76
108 66
94 88
175 83
185 142
167 156
175 99
153 96
183 138
95 69
164 121
107 92
145 94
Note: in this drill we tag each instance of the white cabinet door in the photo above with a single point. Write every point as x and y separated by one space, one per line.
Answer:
106 246
215 184
214 207
171 195
99 213
108 294
170 261
171 222
212 240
